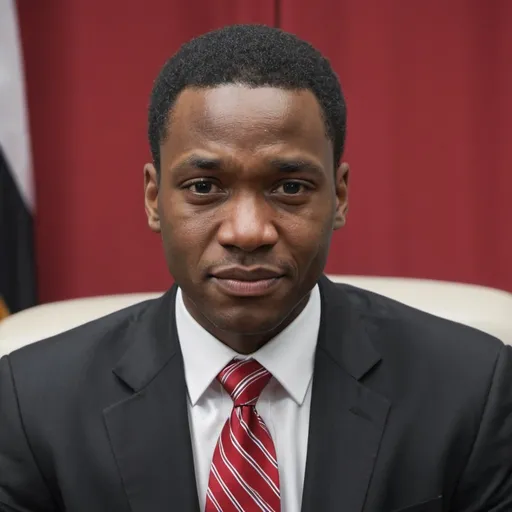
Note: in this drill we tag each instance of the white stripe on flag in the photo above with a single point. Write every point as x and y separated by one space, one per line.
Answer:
14 137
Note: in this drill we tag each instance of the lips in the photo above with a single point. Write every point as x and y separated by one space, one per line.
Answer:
247 282
247 273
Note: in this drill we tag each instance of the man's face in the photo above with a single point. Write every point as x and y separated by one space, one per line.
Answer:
246 204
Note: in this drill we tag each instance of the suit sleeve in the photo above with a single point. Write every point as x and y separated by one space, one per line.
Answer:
486 483
22 487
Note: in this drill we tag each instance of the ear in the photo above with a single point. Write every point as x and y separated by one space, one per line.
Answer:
151 197
341 184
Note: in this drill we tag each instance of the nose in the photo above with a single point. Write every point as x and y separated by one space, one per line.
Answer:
248 224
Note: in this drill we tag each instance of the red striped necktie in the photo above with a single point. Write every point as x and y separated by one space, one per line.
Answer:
244 475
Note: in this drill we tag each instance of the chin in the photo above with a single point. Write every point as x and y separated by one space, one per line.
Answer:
248 322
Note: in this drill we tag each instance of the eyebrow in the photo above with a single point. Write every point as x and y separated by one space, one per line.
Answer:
285 165
291 165
201 162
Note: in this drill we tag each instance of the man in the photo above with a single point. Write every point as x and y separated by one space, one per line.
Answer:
255 383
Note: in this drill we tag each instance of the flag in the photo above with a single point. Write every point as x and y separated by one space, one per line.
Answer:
17 269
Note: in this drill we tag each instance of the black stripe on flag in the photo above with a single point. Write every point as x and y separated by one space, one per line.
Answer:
17 268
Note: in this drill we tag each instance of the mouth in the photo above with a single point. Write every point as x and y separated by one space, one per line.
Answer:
247 282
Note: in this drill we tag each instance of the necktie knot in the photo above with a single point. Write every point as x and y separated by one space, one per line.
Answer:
244 381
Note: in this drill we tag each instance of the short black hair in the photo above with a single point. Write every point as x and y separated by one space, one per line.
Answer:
252 55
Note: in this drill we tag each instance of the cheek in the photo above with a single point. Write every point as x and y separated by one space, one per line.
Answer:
308 245
307 241
187 235
183 238
312 229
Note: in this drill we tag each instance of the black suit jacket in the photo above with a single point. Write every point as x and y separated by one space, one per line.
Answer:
409 412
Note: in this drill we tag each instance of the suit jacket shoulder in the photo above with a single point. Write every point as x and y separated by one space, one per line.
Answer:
87 410
443 344
66 357
450 404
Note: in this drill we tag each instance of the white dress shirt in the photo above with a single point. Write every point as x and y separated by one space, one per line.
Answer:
284 404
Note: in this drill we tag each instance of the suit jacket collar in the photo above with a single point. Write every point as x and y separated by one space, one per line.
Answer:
155 342
343 333
149 431
343 336
347 418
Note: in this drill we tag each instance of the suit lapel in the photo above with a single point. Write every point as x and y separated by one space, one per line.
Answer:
347 418
149 432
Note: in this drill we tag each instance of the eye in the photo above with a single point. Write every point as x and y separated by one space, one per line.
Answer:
290 188
203 187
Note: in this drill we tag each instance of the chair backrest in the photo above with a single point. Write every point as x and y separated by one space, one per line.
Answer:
486 309
46 320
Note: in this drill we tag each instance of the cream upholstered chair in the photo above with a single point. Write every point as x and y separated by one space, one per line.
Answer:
45 320
486 309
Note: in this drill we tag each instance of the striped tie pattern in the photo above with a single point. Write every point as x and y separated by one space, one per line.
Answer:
244 475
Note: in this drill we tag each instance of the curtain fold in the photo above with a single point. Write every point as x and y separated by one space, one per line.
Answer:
428 89
90 66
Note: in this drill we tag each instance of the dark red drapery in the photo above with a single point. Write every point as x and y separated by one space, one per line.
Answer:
428 89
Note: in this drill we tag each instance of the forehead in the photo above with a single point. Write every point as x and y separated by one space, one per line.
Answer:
240 118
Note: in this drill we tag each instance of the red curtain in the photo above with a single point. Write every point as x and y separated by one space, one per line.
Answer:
428 88
428 85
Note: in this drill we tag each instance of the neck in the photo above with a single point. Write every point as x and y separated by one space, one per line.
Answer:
243 343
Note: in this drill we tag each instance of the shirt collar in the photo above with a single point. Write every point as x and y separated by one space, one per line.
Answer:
289 357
